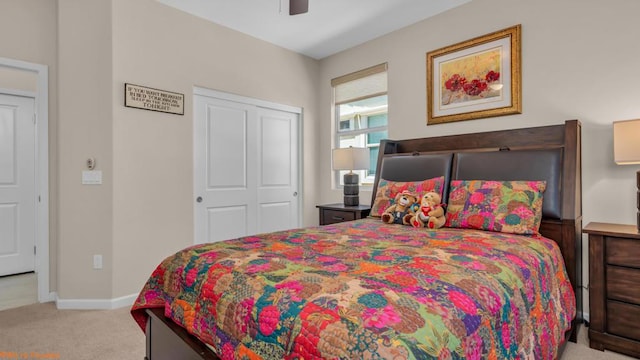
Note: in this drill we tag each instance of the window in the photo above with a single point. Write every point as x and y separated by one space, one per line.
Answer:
360 103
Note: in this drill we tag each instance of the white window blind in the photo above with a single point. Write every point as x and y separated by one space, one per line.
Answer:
361 84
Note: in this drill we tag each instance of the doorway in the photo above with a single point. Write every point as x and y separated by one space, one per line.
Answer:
17 185
37 202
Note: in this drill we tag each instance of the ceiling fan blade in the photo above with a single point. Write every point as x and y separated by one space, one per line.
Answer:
298 7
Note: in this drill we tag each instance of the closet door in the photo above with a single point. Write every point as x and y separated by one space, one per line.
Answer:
277 170
246 167
225 140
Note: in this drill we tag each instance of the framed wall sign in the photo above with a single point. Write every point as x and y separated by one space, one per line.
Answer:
147 98
475 79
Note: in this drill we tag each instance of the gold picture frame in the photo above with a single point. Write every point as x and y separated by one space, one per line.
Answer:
475 79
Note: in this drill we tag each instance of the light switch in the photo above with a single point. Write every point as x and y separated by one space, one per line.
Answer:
93 177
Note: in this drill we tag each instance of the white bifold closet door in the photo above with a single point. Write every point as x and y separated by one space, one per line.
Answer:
246 167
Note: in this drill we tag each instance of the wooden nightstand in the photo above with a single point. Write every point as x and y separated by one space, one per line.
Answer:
336 213
614 287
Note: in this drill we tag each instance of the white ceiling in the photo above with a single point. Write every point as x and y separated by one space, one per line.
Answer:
329 27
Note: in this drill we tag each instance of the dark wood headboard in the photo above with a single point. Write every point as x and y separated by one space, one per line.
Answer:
566 226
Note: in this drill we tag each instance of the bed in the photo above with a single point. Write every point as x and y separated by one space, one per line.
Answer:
366 289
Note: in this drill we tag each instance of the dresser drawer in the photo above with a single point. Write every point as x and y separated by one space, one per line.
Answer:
623 252
622 319
614 294
623 284
335 216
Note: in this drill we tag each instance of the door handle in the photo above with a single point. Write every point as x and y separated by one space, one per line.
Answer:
199 199
295 193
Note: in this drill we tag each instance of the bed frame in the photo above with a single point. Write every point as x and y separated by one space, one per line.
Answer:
166 341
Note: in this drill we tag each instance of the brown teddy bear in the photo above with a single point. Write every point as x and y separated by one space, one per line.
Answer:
431 212
402 210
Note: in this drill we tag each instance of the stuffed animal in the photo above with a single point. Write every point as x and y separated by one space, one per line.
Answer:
431 212
401 210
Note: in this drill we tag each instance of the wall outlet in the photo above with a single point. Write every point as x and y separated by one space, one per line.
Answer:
97 262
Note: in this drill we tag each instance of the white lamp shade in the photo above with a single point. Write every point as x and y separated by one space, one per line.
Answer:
626 142
350 158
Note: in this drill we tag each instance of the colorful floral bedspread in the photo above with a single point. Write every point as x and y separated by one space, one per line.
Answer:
365 289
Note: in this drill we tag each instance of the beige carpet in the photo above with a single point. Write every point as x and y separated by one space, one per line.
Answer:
70 334
113 335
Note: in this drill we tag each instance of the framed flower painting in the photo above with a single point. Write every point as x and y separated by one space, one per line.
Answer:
475 79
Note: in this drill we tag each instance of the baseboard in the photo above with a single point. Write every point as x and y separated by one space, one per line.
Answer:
96 304
585 316
50 298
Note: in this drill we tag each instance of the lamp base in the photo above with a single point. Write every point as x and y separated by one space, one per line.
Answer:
638 197
351 189
351 200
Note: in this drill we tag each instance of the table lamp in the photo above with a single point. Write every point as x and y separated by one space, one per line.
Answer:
626 149
351 158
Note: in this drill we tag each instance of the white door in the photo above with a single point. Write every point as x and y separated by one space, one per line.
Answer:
17 185
246 169
277 170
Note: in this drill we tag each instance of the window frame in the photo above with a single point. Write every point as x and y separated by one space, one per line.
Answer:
366 179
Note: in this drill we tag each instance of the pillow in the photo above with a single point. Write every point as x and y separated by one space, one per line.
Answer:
504 206
387 191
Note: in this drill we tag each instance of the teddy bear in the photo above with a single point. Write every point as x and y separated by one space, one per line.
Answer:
431 212
401 210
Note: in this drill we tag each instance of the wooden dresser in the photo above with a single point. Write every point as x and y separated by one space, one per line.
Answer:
614 287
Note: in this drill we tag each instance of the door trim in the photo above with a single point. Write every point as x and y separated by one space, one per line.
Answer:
263 104
246 100
42 169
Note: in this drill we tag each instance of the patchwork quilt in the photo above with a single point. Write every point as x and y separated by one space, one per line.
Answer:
368 290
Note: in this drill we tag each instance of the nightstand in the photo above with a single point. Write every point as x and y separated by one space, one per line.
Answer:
336 213
614 287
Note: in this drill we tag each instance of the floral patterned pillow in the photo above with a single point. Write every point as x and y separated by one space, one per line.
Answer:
504 206
387 190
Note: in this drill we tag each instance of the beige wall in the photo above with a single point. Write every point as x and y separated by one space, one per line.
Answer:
85 131
578 62
28 32
158 46
572 66
143 211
